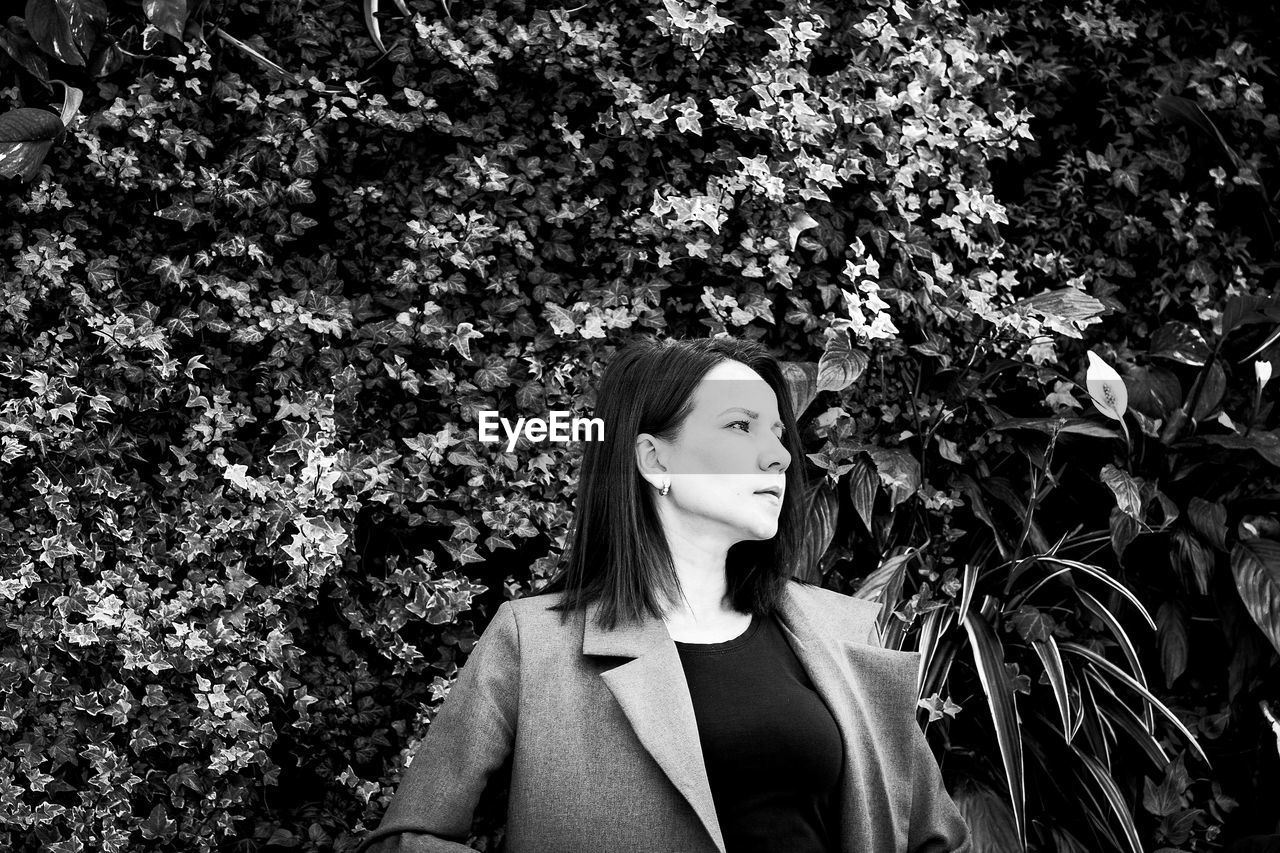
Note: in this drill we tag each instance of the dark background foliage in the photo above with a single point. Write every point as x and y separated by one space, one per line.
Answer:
263 264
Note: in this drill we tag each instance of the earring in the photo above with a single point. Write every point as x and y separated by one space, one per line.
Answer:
665 488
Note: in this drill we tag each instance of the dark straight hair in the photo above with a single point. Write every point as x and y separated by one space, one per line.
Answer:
618 552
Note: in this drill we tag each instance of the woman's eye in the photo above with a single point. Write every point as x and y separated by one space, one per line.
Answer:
782 436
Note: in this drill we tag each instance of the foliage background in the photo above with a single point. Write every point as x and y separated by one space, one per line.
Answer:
258 283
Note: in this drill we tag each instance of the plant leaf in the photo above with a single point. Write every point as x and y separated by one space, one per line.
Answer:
1076 426
1175 106
72 97
988 654
167 16
1066 310
371 23
1255 564
823 506
802 383
898 470
1051 658
1180 342
1245 309
1114 798
49 27
801 222
84 17
108 61
1154 391
22 52
840 365
991 824
1127 489
886 578
1123 716
1093 572
26 135
932 629
1209 518
1211 393
1172 632
28 124
1096 732
1263 442
256 54
863 484
1128 680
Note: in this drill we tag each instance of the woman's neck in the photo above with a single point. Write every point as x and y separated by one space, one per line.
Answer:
705 592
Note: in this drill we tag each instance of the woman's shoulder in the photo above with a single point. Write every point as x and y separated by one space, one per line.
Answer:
535 613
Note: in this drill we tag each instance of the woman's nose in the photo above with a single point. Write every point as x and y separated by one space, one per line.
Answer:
777 454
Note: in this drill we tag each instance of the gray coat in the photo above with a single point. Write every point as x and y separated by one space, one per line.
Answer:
606 748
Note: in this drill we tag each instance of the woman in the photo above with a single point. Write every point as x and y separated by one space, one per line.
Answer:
675 689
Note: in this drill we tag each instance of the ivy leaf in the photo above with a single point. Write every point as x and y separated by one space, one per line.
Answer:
802 222
1032 624
1161 799
183 211
938 707
158 824
460 340
26 135
1125 178
562 322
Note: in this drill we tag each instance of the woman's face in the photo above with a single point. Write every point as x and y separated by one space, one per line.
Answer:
731 448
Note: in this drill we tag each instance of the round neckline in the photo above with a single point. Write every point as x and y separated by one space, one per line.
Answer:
724 645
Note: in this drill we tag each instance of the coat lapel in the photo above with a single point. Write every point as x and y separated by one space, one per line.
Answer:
865 687
858 682
654 696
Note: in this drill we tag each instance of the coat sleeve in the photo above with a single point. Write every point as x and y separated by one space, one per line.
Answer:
469 739
936 823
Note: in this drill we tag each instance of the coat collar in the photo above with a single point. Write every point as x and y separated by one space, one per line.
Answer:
634 639
653 694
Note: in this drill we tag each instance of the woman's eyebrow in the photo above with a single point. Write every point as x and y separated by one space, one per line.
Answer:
753 415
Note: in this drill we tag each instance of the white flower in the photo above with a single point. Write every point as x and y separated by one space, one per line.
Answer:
1262 370
1110 397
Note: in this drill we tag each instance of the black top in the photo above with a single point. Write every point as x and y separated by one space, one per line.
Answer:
771 747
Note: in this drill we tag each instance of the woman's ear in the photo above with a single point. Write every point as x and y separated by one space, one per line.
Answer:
649 459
